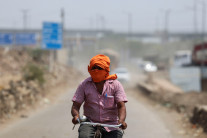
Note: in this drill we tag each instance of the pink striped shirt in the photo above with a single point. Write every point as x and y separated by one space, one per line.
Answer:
100 108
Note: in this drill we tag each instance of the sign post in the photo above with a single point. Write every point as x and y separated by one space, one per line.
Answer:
6 39
25 39
52 39
52 36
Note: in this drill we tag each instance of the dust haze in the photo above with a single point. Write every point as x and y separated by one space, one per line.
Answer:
158 51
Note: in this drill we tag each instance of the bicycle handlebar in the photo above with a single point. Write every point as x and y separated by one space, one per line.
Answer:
82 120
103 125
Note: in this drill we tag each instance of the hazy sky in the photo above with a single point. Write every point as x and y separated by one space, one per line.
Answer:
147 15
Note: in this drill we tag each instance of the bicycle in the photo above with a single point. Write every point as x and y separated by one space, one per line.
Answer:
99 126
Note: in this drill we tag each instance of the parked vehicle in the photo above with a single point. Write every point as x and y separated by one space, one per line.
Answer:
199 55
147 66
183 58
197 62
122 74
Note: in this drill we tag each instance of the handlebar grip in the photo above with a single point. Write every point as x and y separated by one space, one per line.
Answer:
78 120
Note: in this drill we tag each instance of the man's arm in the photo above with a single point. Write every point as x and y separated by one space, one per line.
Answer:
75 112
122 114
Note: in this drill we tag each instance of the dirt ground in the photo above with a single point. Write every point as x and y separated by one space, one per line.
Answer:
177 123
45 102
19 95
171 103
47 120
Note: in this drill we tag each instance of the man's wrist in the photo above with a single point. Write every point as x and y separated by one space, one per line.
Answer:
76 116
121 121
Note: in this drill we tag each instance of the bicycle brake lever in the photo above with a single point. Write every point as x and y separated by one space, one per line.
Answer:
75 124
78 120
73 127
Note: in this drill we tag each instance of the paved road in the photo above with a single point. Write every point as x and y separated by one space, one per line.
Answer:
55 122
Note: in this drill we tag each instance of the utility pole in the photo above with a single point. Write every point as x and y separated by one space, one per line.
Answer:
203 28
25 17
157 26
63 26
103 22
195 17
126 49
64 38
194 20
96 23
203 19
167 14
166 24
129 23
100 22
129 35
91 23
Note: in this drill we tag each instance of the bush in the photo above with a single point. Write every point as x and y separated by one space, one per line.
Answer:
37 54
33 72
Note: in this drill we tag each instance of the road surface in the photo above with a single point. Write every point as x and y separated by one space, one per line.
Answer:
55 122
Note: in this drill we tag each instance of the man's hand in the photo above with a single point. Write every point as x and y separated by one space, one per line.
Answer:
75 120
75 112
124 124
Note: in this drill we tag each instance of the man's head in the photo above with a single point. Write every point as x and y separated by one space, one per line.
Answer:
101 61
99 68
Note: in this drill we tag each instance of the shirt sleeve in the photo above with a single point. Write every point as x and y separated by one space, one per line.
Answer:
120 95
79 95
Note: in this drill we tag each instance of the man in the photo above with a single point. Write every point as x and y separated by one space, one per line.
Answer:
104 100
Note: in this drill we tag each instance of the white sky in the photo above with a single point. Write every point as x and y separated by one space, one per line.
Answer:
147 15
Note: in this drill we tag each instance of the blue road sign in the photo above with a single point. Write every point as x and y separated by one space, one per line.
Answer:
25 39
6 38
51 35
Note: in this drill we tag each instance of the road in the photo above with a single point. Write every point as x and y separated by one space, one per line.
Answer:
55 122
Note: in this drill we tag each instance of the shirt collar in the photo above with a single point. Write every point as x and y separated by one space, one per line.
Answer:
108 81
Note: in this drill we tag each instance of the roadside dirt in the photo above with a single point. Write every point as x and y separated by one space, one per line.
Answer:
27 85
177 105
142 121
177 123
46 101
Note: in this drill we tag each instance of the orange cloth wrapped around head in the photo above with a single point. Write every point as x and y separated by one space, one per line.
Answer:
102 74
